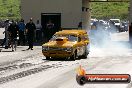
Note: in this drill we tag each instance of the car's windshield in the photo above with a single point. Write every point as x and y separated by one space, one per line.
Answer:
71 38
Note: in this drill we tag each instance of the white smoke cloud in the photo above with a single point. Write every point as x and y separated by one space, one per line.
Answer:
103 38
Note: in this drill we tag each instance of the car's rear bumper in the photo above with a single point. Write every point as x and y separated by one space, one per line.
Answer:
57 54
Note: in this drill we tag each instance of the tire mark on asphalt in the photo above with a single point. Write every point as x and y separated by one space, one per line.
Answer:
23 74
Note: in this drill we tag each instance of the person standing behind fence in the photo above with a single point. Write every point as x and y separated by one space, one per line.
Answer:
130 32
5 41
38 31
13 31
50 29
21 26
80 25
30 28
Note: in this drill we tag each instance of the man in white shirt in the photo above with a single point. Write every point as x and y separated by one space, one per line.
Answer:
38 31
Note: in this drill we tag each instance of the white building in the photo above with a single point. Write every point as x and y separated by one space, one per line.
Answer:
63 13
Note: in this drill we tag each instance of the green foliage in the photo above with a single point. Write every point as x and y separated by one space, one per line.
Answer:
10 9
110 10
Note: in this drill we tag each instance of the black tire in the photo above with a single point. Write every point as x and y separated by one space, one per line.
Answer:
73 57
47 58
85 53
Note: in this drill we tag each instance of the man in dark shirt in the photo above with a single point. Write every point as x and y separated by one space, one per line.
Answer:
30 28
13 31
130 32
80 25
5 41
50 29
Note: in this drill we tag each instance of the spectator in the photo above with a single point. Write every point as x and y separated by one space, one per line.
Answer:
30 28
13 31
130 32
80 25
38 31
5 41
21 26
50 29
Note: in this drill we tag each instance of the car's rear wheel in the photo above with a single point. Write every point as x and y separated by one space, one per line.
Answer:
86 52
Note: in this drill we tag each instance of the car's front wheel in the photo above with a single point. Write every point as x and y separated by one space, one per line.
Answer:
47 58
73 57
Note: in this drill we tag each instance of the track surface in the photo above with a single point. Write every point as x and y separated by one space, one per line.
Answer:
29 69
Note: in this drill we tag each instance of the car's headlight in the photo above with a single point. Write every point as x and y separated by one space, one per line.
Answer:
45 48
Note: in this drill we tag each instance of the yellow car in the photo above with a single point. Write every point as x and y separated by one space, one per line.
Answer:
69 44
